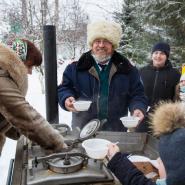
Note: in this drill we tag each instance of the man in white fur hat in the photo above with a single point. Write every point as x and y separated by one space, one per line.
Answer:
104 77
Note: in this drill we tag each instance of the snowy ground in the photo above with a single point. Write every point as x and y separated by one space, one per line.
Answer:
37 100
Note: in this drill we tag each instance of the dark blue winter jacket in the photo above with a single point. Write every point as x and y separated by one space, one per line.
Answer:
126 91
126 171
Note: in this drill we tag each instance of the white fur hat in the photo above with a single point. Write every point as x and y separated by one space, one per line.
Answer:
106 30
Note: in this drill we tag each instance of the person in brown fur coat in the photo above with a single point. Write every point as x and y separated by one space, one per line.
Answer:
168 123
17 116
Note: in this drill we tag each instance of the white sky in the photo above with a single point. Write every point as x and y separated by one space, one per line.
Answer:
100 9
97 9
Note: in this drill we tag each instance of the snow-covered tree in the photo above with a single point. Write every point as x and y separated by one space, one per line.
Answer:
136 39
148 21
27 17
169 16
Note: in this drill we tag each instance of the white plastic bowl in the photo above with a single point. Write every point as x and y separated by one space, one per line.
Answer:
130 121
82 105
96 148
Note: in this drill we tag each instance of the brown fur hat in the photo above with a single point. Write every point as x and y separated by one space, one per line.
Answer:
167 117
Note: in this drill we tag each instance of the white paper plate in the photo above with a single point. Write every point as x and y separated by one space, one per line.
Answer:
140 158
155 163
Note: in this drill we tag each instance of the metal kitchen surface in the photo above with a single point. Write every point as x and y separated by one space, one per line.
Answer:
32 166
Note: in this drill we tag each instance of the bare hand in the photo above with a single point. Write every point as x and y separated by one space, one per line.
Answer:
161 168
112 150
69 104
138 113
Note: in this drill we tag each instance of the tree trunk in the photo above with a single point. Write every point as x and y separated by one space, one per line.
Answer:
24 13
44 5
56 21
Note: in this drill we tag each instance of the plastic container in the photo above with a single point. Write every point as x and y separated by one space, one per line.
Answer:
130 121
96 148
82 105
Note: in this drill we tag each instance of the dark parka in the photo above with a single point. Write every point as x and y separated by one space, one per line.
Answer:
16 114
81 81
126 171
159 84
166 122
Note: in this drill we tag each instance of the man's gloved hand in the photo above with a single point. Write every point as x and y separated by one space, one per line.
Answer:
58 144
58 150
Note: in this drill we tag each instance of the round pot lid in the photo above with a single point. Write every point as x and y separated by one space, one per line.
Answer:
67 163
59 166
90 129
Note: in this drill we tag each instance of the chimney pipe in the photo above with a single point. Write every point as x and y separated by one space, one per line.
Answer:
50 67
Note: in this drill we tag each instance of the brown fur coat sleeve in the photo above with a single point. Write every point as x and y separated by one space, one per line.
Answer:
25 118
16 110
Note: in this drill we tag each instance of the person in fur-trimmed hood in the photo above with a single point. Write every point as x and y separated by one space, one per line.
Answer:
180 88
16 114
104 77
168 123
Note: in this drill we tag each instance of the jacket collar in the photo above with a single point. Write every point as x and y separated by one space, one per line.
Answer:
122 64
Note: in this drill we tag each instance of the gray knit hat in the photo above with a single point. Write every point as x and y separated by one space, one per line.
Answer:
172 153
106 30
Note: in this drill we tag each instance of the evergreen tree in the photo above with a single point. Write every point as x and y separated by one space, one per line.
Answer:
169 17
137 38
147 21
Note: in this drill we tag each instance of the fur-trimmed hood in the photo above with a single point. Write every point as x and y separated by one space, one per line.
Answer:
167 117
10 62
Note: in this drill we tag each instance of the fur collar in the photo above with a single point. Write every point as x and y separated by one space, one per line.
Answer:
10 62
167 117
122 64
